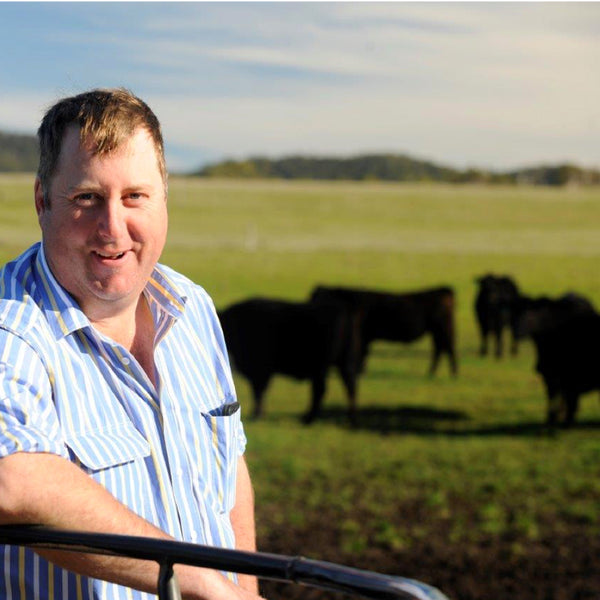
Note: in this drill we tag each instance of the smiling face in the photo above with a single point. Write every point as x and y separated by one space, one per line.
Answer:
105 223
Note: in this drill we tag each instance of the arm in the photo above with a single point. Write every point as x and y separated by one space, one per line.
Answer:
242 521
38 486
32 490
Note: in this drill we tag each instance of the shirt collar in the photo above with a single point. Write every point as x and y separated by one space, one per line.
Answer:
162 289
64 314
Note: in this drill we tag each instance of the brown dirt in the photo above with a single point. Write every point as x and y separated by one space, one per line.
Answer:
560 567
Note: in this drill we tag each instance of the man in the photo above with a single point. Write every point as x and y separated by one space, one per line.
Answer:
117 408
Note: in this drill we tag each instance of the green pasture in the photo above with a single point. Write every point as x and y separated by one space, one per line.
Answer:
466 458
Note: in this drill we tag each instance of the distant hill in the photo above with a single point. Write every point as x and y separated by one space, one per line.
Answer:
391 167
18 152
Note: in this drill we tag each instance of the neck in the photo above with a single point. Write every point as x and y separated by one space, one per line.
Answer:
120 327
127 326
135 331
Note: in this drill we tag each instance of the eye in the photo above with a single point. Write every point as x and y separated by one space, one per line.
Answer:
135 198
86 199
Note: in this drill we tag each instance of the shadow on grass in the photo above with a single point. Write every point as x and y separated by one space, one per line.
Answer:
429 421
413 419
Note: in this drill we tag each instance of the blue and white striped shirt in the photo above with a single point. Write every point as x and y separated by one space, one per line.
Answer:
168 453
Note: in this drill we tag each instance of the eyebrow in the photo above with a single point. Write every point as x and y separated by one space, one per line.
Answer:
95 187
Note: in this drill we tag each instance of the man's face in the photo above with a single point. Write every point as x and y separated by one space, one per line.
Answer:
106 223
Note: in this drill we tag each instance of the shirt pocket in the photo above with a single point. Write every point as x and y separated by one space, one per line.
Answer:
104 448
220 429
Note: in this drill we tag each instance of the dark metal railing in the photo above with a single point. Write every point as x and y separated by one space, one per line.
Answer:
278 567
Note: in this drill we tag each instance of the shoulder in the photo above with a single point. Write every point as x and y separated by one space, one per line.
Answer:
185 287
17 276
19 310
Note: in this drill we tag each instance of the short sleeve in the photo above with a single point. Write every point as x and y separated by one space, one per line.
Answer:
28 419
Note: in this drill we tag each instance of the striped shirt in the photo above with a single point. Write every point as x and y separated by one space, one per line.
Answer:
169 453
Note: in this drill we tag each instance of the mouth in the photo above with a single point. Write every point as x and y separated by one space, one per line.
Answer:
108 255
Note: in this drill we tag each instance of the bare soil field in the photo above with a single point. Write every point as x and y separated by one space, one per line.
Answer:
564 566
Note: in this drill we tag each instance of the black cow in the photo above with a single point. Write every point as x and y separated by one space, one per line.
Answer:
534 315
568 359
301 340
494 309
399 317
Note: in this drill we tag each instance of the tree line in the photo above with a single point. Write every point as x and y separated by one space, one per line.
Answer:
21 152
392 167
18 153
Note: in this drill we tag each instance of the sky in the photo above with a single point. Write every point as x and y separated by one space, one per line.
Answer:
484 85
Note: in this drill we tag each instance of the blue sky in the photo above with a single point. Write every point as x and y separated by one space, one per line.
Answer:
493 85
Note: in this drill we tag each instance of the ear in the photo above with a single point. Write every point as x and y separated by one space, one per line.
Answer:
38 192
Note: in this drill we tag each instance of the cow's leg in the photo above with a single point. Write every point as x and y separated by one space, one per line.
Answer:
445 345
571 401
515 318
453 361
484 332
259 385
361 359
318 391
348 375
555 408
514 342
435 359
483 348
499 345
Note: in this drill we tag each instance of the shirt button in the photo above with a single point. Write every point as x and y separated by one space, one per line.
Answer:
126 361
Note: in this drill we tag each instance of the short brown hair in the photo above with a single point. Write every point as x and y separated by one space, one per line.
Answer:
106 117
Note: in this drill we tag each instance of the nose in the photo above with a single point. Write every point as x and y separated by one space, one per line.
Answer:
111 219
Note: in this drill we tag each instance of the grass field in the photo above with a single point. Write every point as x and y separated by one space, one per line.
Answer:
452 481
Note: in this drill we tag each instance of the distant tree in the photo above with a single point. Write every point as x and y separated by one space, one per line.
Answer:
385 167
393 167
560 175
18 152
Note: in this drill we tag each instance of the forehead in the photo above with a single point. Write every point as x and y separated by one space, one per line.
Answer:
138 150
72 142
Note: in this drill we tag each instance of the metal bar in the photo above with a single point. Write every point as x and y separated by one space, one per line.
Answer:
301 570
168 588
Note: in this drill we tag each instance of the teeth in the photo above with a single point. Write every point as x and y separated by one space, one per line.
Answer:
110 256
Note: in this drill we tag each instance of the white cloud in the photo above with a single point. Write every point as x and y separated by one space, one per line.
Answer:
449 130
490 84
21 112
